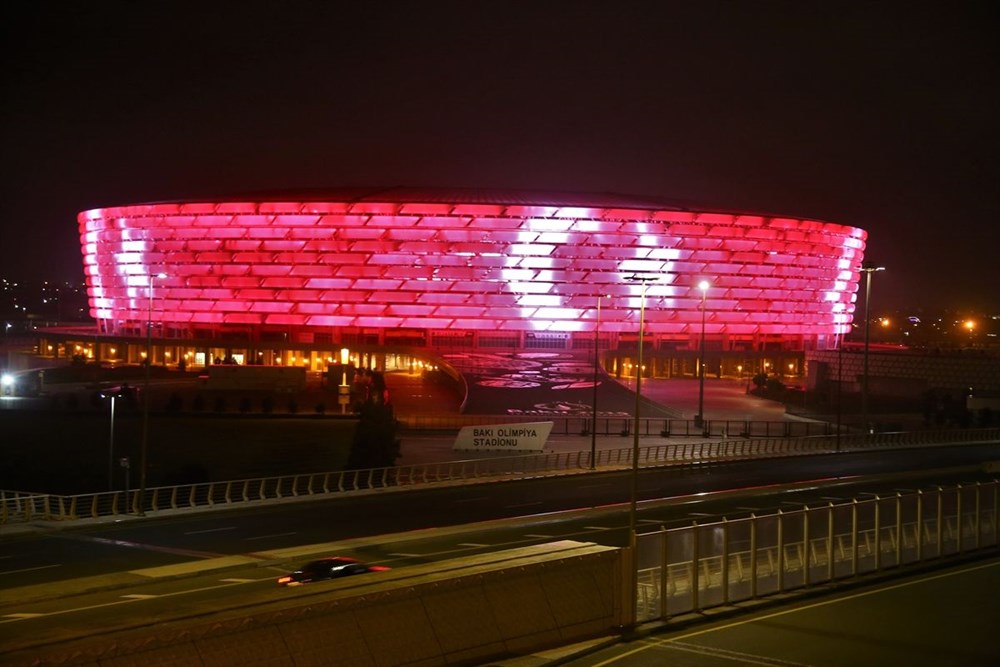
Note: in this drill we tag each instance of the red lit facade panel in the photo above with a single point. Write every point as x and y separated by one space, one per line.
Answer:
453 267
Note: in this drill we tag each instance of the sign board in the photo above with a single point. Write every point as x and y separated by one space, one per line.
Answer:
530 437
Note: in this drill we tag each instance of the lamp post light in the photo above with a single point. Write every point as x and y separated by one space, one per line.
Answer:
111 438
840 384
344 391
700 418
868 271
634 494
597 369
141 500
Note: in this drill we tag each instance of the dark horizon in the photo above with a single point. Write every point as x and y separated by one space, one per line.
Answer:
880 117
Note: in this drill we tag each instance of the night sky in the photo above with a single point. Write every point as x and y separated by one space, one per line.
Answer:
878 115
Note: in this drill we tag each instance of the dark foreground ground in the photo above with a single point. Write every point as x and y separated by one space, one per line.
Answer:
63 445
68 453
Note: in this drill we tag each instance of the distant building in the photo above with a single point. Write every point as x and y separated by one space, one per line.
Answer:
294 278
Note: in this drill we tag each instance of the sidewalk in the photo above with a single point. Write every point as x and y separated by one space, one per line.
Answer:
724 400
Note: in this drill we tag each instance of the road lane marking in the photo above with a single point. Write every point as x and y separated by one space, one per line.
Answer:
237 580
30 569
139 545
210 530
785 612
735 656
12 618
267 537
538 536
472 544
139 596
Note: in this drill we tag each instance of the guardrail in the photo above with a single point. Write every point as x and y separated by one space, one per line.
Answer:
22 507
648 426
690 569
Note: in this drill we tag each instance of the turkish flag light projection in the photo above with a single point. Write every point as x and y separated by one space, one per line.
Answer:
468 266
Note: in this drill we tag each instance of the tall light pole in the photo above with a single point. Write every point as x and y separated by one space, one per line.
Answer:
868 271
700 418
111 438
634 495
141 511
840 384
597 369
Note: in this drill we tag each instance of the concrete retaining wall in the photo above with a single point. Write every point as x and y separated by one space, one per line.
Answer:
462 612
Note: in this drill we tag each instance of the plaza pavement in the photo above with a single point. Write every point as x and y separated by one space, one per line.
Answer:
724 400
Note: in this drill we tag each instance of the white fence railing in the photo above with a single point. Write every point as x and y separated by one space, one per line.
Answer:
683 570
20 507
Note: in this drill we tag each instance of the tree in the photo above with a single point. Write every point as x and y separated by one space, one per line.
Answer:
375 443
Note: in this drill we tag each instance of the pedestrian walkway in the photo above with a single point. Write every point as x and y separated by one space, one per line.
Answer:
724 400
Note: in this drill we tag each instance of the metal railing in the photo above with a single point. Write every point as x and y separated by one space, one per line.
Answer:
21 507
648 426
690 569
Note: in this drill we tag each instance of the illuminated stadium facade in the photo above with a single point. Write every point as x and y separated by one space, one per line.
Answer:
264 278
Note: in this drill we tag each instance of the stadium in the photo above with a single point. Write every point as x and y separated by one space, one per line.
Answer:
397 276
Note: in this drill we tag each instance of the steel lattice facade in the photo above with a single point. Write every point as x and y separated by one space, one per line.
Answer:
400 261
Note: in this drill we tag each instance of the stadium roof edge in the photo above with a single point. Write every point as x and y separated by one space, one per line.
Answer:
498 196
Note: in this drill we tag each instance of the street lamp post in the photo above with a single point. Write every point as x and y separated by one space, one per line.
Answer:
700 418
597 369
840 384
634 495
111 445
868 271
141 500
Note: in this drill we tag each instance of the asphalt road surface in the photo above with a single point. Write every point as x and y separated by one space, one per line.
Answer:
52 555
119 575
942 618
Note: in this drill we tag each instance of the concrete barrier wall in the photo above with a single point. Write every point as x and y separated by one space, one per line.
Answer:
462 612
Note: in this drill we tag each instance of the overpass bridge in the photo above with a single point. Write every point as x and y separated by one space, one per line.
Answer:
499 604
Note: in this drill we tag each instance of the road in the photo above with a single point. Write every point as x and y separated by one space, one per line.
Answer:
947 617
52 555
124 574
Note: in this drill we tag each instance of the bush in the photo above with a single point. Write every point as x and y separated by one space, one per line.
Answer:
198 404
175 403
293 406
376 444
320 408
220 404
775 386
267 405
245 405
